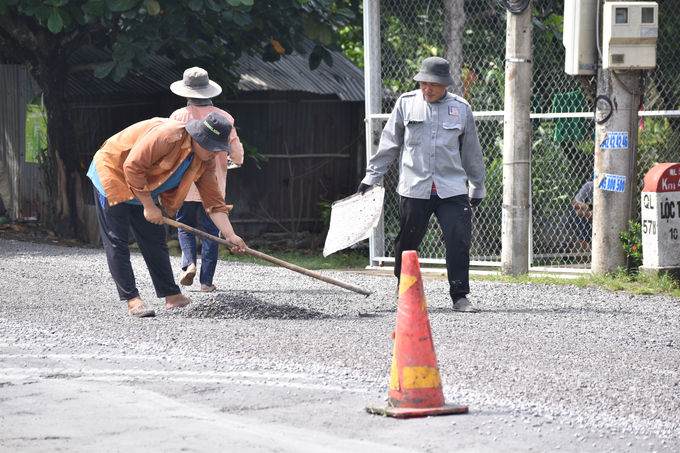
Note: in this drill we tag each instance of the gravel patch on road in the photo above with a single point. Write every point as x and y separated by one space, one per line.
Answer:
578 356
234 305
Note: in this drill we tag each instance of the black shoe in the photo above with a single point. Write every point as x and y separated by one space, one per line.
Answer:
464 305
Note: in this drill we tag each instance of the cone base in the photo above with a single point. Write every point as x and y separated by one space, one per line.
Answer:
408 412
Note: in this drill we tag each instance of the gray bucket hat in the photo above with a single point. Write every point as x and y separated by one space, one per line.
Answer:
196 84
436 70
212 132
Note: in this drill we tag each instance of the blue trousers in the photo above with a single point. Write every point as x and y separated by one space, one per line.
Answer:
187 214
584 229
115 223
455 218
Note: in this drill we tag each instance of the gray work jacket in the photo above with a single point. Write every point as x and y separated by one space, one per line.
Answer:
436 142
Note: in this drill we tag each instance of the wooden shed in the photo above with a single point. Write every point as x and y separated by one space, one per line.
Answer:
308 124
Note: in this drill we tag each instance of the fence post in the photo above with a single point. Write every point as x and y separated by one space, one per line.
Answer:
517 145
373 103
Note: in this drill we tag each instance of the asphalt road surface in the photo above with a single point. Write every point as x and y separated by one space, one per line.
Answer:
275 361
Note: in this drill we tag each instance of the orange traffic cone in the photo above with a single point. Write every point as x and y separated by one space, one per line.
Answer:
415 384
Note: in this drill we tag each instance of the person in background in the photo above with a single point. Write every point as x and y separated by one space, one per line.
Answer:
433 133
145 167
199 89
583 214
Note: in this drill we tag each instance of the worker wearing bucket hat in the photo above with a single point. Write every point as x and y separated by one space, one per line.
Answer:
435 70
198 89
433 133
148 166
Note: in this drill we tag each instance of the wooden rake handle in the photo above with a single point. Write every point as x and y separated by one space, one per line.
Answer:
271 259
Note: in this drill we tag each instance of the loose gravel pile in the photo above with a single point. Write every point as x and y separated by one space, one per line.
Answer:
582 356
241 305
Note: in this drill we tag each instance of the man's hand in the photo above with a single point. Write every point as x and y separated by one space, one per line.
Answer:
362 188
239 244
221 221
153 214
583 210
474 202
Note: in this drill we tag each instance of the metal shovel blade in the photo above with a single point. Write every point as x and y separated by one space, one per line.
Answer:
353 218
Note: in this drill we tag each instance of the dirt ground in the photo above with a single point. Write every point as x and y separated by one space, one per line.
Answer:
30 232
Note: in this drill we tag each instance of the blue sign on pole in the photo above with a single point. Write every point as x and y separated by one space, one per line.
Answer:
615 140
613 183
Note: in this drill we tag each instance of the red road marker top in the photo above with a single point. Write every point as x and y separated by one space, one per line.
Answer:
663 178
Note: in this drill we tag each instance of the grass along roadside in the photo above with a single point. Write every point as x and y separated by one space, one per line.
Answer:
636 283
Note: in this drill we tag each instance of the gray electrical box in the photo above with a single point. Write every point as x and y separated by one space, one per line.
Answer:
629 35
579 37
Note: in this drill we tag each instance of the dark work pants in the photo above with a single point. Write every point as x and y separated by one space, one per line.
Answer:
455 218
114 224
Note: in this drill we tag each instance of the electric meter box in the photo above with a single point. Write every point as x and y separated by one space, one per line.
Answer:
629 35
579 37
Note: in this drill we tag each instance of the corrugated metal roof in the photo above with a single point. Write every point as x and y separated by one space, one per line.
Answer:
291 73
155 78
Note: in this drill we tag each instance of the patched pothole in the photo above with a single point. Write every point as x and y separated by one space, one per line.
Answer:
234 305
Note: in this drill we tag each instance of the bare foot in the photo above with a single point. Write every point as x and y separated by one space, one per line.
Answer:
176 301
208 289
187 278
138 309
134 302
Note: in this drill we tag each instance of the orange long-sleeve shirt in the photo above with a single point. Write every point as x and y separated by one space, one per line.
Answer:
143 156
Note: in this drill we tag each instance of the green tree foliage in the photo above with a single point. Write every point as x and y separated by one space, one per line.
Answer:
222 30
351 39
210 33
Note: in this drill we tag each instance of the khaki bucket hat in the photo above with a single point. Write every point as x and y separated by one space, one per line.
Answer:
196 84
436 70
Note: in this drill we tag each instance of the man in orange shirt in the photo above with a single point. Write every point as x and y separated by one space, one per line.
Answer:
198 89
148 166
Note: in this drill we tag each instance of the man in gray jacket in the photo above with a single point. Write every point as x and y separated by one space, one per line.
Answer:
435 137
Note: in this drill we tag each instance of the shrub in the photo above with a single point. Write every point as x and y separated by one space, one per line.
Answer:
631 241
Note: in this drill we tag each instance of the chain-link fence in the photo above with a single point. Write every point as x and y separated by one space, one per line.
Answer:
471 34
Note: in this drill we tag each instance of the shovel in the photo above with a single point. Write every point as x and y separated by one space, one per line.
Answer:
271 259
353 218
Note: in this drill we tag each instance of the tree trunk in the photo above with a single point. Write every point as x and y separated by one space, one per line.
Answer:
61 168
453 37
45 55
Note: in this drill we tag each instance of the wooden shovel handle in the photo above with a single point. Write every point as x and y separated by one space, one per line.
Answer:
271 259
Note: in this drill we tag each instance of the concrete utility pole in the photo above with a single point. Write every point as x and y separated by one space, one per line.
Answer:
615 166
517 145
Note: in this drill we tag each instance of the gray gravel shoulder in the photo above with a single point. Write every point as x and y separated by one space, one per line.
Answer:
604 361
